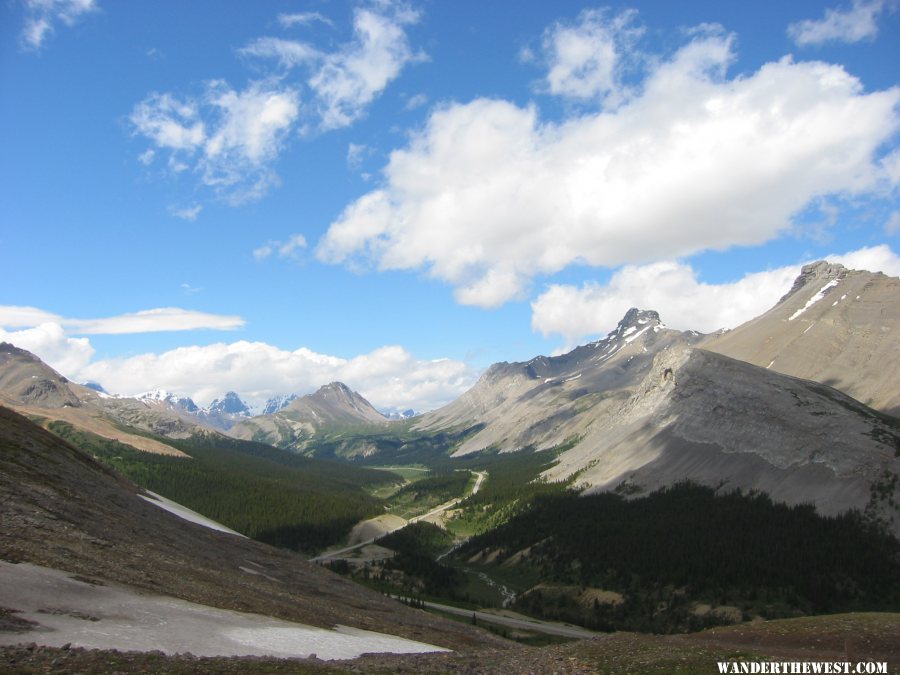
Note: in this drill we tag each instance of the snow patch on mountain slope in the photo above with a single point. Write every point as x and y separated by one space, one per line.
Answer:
814 299
185 513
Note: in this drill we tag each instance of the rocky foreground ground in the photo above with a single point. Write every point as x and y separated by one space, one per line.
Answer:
854 637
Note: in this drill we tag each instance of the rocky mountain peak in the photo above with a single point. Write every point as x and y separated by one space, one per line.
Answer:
230 404
634 323
335 388
638 318
821 270
11 349
156 395
27 380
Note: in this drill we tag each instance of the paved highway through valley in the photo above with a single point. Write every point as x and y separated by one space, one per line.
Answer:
480 476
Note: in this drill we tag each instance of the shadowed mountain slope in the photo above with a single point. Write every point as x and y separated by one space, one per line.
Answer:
62 509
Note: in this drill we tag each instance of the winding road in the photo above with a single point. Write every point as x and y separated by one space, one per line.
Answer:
480 477
524 623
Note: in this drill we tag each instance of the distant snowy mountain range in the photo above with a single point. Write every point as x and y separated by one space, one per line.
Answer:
393 414
222 413
225 412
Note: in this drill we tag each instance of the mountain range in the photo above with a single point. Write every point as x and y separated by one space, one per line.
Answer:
334 407
648 406
799 403
222 414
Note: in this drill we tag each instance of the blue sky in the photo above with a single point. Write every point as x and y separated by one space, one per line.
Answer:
267 196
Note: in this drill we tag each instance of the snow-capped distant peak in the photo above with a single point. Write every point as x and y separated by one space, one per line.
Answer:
156 396
230 404
276 403
393 414
167 397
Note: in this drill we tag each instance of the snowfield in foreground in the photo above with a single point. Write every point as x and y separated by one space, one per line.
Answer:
116 617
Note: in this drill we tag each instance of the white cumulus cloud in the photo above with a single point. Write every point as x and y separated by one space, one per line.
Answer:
302 19
188 213
348 80
169 123
872 258
288 53
585 60
858 22
387 377
682 300
487 195
893 224
356 153
42 17
344 81
231 138
16 316
416 101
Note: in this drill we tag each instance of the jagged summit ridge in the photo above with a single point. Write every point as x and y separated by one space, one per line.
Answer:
230 404
336 400
813 272
634 324
635 318
165 397
278 402
335 388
